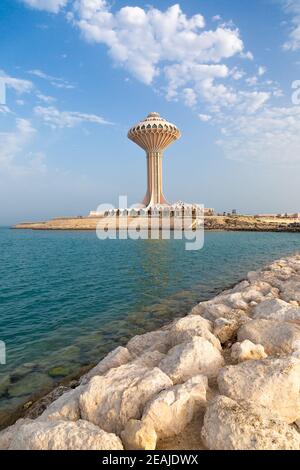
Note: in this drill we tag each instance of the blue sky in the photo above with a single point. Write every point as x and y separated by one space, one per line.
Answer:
79 73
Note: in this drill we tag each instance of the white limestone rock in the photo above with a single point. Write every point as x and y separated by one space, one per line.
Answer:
7 435
196 357
240 287
273 383
63 435
139 435
149 359
188 327
247 351
290 290
171 410
252 294
229 425
211 311
237 301
153 341
110 401
65 407
276 337
276 309
115 358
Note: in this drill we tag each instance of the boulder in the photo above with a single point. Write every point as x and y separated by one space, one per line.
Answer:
251 294
240 287
139 435
211 310
149 359
63 435
273 383
237 301
276 337
115 358
247 351
65 407
7 435
153 341
229 425
196 357
110 401
188 327
290 290
276 309
171 410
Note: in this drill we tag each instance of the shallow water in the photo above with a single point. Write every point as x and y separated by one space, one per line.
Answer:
67 298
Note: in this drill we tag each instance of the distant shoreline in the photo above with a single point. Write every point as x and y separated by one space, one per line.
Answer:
211 223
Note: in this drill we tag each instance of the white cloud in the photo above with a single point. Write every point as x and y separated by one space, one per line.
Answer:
217 18
237 74
14 159
189 97
143 41
250 102
262 70
292 7
45 98
4 109
271 136
55 81
17 84
60 119
204 117
252 81
247 55
53 6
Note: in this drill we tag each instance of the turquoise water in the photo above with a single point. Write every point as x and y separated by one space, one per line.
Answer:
67 298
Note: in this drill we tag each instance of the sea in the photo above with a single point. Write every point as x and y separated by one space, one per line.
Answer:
68 298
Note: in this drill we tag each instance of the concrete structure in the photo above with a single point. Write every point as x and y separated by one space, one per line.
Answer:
154 135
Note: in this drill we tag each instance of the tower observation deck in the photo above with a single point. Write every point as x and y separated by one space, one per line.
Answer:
154 134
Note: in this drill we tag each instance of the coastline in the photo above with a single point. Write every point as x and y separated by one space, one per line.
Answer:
211 223
38 402
221 337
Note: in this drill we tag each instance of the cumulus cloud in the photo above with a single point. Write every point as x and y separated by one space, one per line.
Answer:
144 41
167 48
292 7
61 119
53 6
270 136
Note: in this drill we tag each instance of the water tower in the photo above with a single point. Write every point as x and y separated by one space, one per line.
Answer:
154 135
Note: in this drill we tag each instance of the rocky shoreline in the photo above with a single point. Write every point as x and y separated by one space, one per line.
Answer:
225 377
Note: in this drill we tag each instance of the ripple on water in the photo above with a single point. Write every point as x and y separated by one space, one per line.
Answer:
67 299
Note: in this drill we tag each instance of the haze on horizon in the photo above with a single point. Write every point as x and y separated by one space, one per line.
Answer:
78 74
